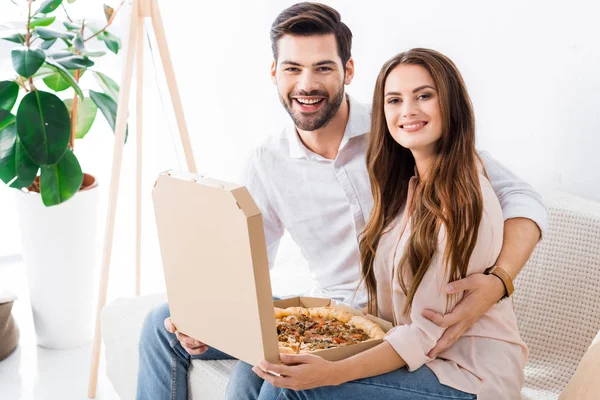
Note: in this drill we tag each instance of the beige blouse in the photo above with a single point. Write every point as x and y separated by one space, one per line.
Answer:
489 359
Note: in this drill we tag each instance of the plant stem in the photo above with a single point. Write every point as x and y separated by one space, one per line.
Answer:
75 100
28 38
112 17
28 24
23 84
66 13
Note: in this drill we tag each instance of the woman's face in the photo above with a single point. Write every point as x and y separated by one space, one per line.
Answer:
412 109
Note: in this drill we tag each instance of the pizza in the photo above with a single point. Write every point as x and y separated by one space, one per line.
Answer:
305 330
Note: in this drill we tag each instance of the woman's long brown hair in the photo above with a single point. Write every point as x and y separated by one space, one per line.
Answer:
450 194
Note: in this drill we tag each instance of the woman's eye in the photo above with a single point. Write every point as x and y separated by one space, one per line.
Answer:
424 96
393 101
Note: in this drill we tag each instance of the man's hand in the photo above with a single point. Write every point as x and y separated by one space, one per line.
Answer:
298 372
191 345
481 293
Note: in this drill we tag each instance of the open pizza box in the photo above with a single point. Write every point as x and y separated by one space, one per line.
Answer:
216 270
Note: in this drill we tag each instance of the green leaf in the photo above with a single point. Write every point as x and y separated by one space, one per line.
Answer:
56 82
44 126
65 75
6 119
59 182
86 114
108 86
108 107
45 21
48 6
9 91
112 42
27 61
78 43
15 37
71 1
48 33
71 26
93 53
46 44
70 60
8 136
26 170
14 162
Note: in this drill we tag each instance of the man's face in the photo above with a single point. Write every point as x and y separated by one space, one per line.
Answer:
310 79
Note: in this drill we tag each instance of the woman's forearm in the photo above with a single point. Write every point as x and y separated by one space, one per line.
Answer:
521 235
375 361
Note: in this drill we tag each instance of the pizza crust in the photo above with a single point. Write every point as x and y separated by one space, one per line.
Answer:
286 350
371 328
330 313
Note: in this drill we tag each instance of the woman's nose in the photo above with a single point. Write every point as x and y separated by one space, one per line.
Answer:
409 109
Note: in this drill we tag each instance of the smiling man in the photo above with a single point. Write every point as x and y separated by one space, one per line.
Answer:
311 180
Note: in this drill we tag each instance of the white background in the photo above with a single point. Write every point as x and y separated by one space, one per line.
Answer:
532 69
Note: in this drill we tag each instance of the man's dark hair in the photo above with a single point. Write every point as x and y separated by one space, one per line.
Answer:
307 19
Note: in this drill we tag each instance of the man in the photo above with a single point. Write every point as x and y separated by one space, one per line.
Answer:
311 180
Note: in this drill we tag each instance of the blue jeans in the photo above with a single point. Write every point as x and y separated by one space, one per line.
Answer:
163 368
163 365
400 384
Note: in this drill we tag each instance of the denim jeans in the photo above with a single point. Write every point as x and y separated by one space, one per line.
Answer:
400 384
164 363
163 369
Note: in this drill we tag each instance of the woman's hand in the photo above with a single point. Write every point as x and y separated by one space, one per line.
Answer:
300 372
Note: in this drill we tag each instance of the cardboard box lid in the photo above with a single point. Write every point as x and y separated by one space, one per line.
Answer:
215 264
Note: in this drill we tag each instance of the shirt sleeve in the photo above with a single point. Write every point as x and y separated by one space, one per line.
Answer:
415 340
252 180
517 197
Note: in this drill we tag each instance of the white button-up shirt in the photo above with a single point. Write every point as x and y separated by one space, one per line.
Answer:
324 204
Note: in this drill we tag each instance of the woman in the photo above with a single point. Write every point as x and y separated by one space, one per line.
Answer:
435 219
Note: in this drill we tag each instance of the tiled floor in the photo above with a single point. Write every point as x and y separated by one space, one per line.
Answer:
35 373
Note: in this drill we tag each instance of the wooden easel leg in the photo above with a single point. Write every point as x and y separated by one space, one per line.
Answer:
114 188
139 118
172 83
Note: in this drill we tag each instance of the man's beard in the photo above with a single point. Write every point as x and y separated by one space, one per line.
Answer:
319 119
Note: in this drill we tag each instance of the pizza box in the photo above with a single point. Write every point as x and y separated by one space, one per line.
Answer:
216 271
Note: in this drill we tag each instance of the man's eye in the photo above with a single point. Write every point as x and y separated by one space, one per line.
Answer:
292 69
324 69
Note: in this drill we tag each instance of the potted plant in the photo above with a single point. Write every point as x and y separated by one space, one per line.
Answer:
44 110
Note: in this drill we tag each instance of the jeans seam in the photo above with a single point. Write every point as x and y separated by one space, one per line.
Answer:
444 396
173 377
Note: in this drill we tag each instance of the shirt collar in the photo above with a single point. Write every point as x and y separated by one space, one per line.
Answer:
359 121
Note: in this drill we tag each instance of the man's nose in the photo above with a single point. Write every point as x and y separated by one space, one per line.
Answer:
308 82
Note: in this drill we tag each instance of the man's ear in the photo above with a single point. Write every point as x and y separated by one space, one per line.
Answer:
349 72
274 72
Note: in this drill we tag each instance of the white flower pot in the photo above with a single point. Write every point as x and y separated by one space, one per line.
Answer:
59 251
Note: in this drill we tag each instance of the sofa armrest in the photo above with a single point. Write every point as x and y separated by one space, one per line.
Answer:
122 321
584 384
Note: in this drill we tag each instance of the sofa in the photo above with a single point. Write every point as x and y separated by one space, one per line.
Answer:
556 300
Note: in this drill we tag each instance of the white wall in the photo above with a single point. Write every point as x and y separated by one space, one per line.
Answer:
532 69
